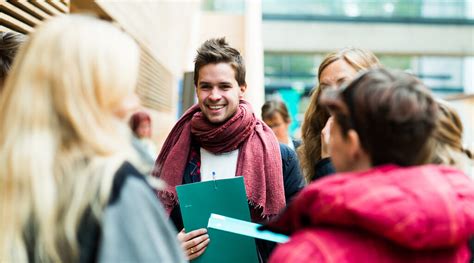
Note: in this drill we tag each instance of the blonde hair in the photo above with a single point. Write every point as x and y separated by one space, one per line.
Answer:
316 116
447 140
60 142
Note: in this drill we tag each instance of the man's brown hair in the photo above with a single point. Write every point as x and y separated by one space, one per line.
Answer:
217 50
393 113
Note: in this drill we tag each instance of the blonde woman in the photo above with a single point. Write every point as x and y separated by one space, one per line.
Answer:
67 192
337 67
448 146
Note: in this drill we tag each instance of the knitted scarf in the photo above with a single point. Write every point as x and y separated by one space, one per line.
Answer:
259 160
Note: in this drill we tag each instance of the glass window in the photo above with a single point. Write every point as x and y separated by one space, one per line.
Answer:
290 71
444 75
442 9
227 6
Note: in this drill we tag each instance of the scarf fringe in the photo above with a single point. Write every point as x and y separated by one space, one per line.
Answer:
260 208
168 199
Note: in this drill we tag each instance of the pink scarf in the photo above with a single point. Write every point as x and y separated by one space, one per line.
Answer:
259 160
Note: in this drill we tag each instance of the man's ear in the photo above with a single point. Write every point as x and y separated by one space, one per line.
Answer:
242 88
355 149
353 143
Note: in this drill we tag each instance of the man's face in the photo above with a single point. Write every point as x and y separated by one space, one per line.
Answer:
218 92
144 129
338 149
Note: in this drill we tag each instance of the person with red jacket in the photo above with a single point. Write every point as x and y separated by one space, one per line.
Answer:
382 205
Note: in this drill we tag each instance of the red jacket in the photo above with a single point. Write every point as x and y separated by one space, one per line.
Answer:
386 214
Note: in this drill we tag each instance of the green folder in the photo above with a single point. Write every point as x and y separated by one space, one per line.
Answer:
225 197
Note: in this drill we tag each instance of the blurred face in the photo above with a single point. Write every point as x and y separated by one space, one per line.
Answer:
144 129
338 149
336 74
279 126
128 105
218 92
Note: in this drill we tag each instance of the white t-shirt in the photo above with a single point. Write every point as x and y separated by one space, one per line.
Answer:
222 165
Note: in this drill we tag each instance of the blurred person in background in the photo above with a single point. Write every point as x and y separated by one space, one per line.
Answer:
67 190
9 44
448 141
448 148
336 68
140 123
275 115
382 205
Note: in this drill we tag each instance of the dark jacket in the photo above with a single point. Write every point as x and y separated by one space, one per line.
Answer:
323 167
296 143
292 178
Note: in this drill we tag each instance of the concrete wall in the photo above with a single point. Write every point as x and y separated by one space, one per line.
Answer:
167 30
254 55
465 108
414 39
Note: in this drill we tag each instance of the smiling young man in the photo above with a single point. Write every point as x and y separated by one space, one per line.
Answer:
222 134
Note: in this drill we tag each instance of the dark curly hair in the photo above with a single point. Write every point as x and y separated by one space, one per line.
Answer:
9 45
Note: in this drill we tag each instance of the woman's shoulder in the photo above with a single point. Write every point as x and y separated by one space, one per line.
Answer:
135 220
125 173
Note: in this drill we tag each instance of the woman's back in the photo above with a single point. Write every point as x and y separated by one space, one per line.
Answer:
64 139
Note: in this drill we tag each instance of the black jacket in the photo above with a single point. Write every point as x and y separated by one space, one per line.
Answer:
323 167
